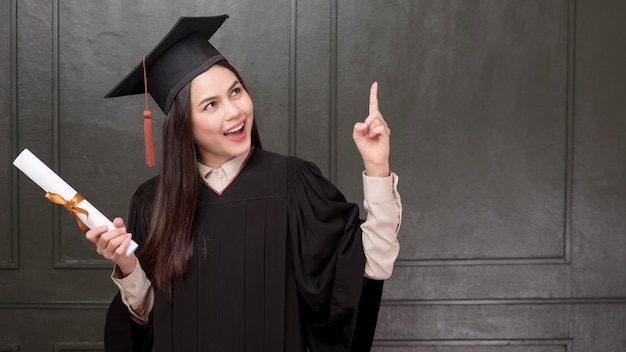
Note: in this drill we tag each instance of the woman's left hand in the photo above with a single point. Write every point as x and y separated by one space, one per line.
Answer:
372 139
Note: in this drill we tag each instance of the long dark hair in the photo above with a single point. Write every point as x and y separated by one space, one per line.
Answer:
168 250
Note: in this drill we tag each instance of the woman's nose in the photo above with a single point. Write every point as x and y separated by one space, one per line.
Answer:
231 110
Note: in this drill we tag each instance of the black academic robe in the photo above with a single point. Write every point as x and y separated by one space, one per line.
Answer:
278 266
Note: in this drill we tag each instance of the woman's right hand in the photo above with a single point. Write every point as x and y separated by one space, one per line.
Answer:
112 245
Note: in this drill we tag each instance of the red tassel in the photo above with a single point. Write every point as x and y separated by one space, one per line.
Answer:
147 122
147 134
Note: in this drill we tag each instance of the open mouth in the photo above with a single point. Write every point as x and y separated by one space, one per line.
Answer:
235 131
238 133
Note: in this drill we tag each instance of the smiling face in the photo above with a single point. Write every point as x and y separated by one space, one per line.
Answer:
221 116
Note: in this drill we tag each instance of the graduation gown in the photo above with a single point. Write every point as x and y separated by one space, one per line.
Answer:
278 265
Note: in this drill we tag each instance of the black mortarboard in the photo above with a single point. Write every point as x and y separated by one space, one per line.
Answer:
183 54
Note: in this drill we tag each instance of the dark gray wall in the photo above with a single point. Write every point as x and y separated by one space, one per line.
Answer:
508 133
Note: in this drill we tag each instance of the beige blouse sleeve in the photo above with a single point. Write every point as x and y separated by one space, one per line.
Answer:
380 229
137 293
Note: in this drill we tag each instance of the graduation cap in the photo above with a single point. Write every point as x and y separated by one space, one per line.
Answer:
183 54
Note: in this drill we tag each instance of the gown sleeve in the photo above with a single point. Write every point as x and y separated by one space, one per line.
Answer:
121 333
339 306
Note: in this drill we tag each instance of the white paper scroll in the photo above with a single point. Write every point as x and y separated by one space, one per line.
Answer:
49 181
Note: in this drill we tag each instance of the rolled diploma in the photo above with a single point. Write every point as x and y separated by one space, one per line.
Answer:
49 181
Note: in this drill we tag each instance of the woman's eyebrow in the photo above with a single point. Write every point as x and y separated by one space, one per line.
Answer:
214 97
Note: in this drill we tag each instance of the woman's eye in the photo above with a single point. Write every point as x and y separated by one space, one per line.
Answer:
209 106
235 92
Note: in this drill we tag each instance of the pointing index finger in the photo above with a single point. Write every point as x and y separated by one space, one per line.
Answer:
374 97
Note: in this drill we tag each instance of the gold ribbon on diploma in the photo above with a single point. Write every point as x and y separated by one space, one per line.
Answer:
71 206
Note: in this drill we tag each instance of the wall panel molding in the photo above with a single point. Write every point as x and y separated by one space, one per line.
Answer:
9 347
332 108
78 346
507 301
56 305
61 261
293 75
12 262
563 345
564 257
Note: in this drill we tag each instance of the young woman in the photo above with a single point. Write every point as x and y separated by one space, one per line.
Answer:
241 249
